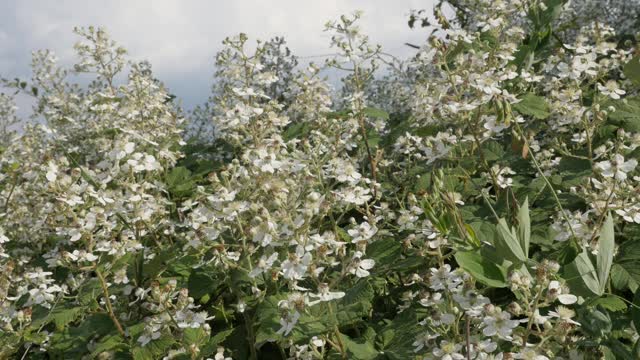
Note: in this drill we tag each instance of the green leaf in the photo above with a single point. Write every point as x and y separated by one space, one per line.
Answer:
153 350
609 302
629 259
200 283
296 130
524 227
632 70
635 310
62 317
594 322
179 182
396 337
108 343
385 252
621 279
507 243
376 113
216 340
533 105
583 271
604 258
359 350
626 114
483 270
620 350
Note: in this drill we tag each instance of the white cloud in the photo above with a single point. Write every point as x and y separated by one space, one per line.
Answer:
180 38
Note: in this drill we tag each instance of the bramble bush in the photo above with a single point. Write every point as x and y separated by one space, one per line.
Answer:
479 200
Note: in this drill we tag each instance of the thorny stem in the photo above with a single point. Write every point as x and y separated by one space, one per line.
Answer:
250 336
546 180
13 187
337 334
112 315
532 316
468 336
604 213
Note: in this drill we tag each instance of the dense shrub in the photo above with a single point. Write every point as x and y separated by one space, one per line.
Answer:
481 200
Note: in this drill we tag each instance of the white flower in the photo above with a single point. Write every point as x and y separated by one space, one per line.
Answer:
189 319
499 323
423 340
141 162
43 295
564 314
360 267
631 213
492 126
295 268
262 234
363 232
120 276
264 264
266 161
500 174
444 278
431 299
577 223
442 319
448 351
356 195
325 295
144 339
288 322
617 167
611 89
81 255
3 237
344 171
129 147
220 354
482 348
471 302
529 354
557 291
52 172
241 306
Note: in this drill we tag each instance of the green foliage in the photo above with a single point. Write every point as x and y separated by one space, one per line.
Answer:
482 268
533 105
496 207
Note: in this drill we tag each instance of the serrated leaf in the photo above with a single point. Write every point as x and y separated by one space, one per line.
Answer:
108 343
200 283
629 259
507 243
632 70
524 227
385 252
604 258
609 302
358 350
396 337
482 269
376 113
626 115
154 349
585 272
635 310
533 105
62 317
621 279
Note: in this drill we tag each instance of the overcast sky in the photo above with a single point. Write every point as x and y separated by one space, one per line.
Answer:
180 38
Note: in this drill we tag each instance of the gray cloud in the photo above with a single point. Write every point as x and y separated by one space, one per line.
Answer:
180 38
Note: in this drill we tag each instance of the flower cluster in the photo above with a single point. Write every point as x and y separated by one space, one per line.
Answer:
479 200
